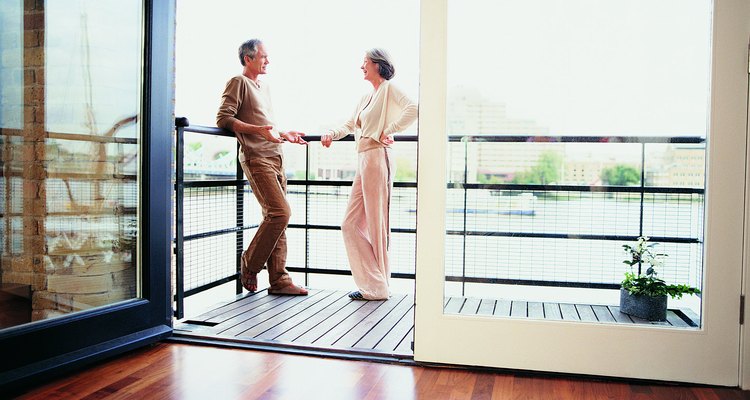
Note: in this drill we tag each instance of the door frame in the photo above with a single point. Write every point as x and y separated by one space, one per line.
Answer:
548 346
41 350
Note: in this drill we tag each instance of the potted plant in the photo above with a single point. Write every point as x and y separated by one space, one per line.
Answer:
644 295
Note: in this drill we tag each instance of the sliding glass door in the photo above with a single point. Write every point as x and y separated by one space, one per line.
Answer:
561 132
86 119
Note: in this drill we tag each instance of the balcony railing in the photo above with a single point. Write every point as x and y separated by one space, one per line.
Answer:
497 233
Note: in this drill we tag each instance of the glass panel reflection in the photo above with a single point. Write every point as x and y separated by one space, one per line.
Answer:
580 129
71 170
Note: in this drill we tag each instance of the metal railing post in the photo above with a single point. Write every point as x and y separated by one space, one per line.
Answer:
240 219
466 205
179 250
307 215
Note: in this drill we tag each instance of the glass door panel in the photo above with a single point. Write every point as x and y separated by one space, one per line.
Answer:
580 130
85 124
70 176
569 130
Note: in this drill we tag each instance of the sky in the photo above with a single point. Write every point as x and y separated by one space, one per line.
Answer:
315 50
577 67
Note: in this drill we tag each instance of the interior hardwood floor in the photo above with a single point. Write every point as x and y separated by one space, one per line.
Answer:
179 371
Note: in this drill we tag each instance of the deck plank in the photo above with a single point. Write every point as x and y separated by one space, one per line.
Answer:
620 317
354 312
240 301
502 308
352 321
518 309
691 315
569 312
316 319
398 333
236 325
552 311
586 312
536 310
454 305
487 307
675 320
405 346
471 306
602 313
335 300
290 312
377 333
386 315
245 307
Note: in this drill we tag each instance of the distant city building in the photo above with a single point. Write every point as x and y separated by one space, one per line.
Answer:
471 114
681 165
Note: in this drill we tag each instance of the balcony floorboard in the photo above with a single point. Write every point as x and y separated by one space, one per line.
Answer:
329 320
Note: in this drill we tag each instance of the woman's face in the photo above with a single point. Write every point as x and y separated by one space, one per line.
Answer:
371 70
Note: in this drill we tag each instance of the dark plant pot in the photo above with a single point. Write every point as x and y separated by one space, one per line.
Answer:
645 307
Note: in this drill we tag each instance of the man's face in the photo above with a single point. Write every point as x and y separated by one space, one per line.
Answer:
259 63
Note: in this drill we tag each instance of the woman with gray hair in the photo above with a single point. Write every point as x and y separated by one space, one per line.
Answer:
366 230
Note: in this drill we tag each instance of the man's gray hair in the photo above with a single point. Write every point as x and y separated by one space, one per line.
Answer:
249 48
383 59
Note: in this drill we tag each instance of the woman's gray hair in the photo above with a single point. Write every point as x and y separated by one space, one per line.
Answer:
249 48
383 59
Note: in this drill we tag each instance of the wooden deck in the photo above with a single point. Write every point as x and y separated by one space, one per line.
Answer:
324 319
682 318
328 320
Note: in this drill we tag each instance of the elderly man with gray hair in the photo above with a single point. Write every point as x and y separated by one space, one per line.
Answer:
366 230
246 110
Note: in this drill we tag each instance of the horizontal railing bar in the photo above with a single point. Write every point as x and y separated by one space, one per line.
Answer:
574 188
572 236
502 138
576 139
213 183
471 186
324 271
211 285
92 138
208 130
527 282
338 228
204 235
292 182
301 182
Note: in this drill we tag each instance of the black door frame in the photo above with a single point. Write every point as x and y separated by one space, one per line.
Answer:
40 350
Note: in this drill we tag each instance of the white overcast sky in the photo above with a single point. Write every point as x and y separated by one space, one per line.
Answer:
588 67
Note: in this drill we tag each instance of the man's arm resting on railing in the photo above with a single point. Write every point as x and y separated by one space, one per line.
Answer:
244 128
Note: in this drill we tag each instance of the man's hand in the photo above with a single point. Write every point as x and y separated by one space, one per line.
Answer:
265 131
326 140
293 137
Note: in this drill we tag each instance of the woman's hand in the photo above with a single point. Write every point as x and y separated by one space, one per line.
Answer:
326 140
386 139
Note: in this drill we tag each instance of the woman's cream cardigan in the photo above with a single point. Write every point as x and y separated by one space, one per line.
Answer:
386 111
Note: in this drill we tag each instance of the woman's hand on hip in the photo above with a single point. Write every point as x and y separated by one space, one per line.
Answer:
386 139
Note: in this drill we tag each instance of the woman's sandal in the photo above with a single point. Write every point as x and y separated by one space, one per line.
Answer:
356 295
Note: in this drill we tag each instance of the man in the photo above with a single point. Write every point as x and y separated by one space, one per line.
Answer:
246 110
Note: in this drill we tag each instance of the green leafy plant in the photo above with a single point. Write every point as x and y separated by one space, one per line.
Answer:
648 284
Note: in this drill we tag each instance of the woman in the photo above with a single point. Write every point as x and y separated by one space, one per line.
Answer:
379 114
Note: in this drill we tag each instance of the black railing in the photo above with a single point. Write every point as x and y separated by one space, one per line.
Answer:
513 232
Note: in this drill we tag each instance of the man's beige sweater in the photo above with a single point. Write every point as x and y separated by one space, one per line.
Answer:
249 102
